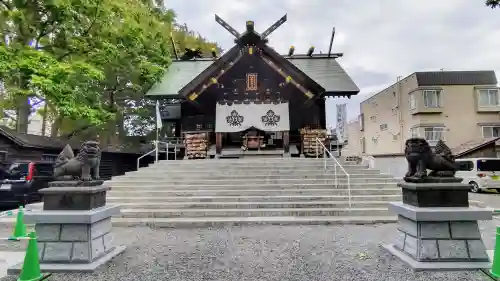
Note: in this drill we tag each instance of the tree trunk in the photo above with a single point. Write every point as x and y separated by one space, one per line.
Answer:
55 127
23 107
44 118
22 112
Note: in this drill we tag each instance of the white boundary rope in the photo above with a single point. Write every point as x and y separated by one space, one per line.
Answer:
16 238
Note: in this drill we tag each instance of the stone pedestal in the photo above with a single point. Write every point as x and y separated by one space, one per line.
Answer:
74 229
439 238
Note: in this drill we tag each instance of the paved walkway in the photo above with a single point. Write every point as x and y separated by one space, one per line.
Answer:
301 253
491 200
8 259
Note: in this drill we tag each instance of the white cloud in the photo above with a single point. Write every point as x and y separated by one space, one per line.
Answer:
381 39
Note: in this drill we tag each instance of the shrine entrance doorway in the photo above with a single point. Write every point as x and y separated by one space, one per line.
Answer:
252 127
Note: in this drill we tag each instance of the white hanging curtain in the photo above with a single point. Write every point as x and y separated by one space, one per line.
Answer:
239 117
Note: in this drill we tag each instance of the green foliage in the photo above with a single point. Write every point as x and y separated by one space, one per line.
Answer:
493 3
86 58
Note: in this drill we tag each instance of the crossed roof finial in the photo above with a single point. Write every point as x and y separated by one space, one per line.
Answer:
250 27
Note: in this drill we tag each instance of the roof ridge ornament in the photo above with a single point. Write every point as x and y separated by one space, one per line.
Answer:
250 28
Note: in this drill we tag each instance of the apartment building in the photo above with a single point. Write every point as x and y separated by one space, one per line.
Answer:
455 106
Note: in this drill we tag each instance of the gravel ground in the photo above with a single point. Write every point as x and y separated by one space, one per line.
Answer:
263 253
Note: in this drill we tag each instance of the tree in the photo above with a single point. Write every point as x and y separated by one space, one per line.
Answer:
493 3
90 61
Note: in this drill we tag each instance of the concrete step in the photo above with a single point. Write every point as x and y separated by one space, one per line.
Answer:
249 192
252 198
229 221
255 205
259 212
207 176
262 163
254 166
282 161
245 185
247 182
254 172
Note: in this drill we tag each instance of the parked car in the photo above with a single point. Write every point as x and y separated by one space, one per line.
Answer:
480 173
21 182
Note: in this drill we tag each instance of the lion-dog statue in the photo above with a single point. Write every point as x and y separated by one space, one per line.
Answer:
421 158
84 167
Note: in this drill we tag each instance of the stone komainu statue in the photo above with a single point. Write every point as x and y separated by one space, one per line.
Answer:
85 166
421 158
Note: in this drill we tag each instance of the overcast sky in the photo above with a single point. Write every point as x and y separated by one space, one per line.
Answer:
380 39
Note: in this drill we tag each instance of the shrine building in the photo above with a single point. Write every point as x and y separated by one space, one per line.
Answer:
251 97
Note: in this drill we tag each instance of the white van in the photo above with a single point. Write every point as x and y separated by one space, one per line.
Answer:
480 173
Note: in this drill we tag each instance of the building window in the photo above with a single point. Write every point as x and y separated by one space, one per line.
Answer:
373 118
394 110
383 127
491 131
413 102
395 137
252 82
414 133
363 146
434 134
432 98
488 97
375 140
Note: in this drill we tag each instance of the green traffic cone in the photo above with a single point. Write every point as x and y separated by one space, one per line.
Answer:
495 269
31 266
20 227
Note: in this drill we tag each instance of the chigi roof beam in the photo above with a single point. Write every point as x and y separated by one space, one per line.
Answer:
227 27
273 27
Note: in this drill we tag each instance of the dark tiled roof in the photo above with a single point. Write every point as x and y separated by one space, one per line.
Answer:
41 142
33 141
178 75
326 72
436 78
472 145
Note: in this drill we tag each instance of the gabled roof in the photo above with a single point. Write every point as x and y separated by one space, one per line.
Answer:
437 78
212 68
472 146
321 74
323 70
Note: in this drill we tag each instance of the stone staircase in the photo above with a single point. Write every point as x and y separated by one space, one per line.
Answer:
252 191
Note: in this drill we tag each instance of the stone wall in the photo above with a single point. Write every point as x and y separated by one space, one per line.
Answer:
440 241
74 243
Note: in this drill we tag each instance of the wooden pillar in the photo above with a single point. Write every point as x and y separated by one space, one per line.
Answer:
218 143
286 141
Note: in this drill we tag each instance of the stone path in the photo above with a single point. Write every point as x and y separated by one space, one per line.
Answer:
489 199
8 259
263 253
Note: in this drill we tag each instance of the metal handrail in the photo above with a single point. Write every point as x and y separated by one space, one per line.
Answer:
156 150
335 168
144 155
167 151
